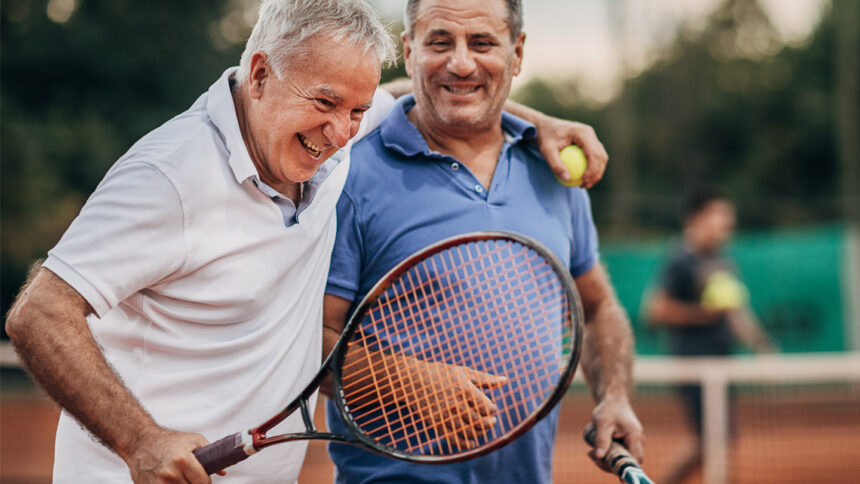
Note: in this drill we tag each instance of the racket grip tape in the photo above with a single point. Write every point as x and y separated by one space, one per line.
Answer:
222 454
618 458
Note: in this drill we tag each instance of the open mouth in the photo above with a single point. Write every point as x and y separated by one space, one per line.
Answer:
309 145
461 91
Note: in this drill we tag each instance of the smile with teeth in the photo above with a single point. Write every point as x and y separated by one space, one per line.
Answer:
310 146
461 90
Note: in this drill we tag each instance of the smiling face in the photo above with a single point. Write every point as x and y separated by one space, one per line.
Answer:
462 61
292 125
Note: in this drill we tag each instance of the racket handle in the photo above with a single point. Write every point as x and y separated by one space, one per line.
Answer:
618 458
222 454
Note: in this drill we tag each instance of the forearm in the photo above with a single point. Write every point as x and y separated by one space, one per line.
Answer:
522 111
57 348
607 358
666 311
747 330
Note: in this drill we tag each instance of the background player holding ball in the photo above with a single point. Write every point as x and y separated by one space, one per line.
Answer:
702 304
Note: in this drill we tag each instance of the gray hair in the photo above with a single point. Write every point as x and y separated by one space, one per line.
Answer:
283 26
514 20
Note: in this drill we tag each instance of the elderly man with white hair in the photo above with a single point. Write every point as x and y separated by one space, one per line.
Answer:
185 300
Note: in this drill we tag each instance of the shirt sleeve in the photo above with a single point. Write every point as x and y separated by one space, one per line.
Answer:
383 101
128 236
585 242
345 269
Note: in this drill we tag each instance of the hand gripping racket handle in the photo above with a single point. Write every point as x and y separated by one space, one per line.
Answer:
222 454
619 459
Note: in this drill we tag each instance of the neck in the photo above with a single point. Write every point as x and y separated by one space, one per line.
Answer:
697 243
478 149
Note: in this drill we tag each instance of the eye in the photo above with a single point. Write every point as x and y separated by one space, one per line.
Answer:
439 45
357 114
482 45
324 102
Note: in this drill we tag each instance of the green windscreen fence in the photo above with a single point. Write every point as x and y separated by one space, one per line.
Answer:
800 285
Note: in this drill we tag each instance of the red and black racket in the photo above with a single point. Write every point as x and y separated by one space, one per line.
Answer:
455 352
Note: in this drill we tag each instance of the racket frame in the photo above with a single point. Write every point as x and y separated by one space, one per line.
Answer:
336 357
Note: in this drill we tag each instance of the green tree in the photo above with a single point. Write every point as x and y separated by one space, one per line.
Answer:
78 90
730 106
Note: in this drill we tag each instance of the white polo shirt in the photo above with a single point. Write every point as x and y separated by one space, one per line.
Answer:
207 305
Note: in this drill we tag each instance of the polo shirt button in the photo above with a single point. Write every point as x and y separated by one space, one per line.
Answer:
479 188
455 166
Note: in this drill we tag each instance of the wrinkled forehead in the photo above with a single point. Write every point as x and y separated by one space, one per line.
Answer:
469 17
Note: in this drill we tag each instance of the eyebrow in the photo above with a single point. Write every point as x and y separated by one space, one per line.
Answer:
479 35
331 93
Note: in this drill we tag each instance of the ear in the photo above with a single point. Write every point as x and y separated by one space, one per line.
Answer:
518 53
260 72
407 52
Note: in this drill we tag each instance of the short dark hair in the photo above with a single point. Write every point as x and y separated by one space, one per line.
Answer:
514 21
698 200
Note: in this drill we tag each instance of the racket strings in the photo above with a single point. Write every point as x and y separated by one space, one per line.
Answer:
455 343
560 300
407 326
402 294
515 362
456 362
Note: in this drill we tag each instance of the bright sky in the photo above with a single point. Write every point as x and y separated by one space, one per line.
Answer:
582 38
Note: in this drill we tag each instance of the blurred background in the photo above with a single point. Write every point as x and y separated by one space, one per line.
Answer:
759 98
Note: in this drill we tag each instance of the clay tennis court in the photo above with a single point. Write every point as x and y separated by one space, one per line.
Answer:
789 437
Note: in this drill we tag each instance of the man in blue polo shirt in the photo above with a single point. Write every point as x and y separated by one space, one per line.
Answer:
447 161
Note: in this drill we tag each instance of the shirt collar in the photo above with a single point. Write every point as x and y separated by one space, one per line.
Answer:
400 135
222 112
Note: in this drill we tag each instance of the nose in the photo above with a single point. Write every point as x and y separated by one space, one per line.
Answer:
461 62
338 130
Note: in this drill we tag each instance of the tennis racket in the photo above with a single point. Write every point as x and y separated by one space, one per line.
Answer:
456 351
619 459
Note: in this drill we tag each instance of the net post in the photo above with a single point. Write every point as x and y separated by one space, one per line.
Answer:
715 432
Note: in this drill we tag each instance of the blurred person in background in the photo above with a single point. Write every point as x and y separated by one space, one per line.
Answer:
702 304
448 161
193 276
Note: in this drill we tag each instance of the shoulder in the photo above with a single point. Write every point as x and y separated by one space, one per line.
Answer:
371 162
188 150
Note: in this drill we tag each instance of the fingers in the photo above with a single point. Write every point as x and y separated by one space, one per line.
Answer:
595 153
486 380
598 461
465 430
635 443
192 469
555 164
166 456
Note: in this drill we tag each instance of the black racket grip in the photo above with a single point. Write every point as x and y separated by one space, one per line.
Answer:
618 458
221 454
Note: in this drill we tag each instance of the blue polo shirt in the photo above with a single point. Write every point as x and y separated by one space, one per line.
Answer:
400 197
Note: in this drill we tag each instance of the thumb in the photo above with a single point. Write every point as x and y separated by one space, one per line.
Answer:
553 159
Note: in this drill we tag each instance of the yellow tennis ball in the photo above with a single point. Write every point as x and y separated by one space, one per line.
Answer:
723 291
574 159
